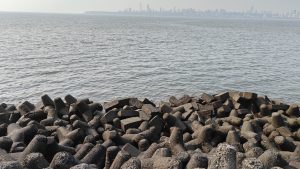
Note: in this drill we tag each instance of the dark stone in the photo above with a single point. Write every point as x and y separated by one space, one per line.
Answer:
293 110
35 161
130 149
10 165
198 160
5 143
109 116
164 108
207 97
132 122
70 99
127 112
95 156
115 104
147 101
136 103
222 96
132 163
150 110
63 160
25 107
47 101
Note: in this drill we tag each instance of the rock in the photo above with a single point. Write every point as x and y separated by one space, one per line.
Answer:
177 102
6 143
222 96
70 99
35 161
252 163
158 123
115 104
176 141
25 107
223 158
83 150
134 102
284 131
132 163
207 97
164 108
293 111
37 145
284 144
248 95
4 157
226 130
162 152
150 110
167 162
120 159
277 120
271 158
147 101
132 122
254 152
63 160
130 149
147 163
109 116
127 112
10 165
95 156
197 160
84 166
111 153
47 101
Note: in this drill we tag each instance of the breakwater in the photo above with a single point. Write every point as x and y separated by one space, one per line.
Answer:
224 130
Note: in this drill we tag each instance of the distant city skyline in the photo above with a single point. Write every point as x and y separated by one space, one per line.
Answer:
192 12
79 6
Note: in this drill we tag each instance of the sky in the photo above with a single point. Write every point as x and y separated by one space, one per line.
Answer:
79 6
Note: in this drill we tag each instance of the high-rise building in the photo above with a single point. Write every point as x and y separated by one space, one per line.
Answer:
141 6
148 8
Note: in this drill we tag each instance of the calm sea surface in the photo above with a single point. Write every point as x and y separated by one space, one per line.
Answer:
103 57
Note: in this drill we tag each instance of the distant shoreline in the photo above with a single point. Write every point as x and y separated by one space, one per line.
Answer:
122 14
231 15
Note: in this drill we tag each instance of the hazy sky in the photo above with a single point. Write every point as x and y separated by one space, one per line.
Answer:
77 6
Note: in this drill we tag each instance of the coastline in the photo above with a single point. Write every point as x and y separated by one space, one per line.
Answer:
228 129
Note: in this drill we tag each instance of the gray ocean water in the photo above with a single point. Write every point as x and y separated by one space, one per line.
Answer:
104 57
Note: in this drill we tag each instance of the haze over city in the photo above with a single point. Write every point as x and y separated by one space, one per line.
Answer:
79 6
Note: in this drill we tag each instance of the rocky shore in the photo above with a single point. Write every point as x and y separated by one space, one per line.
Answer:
223 131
